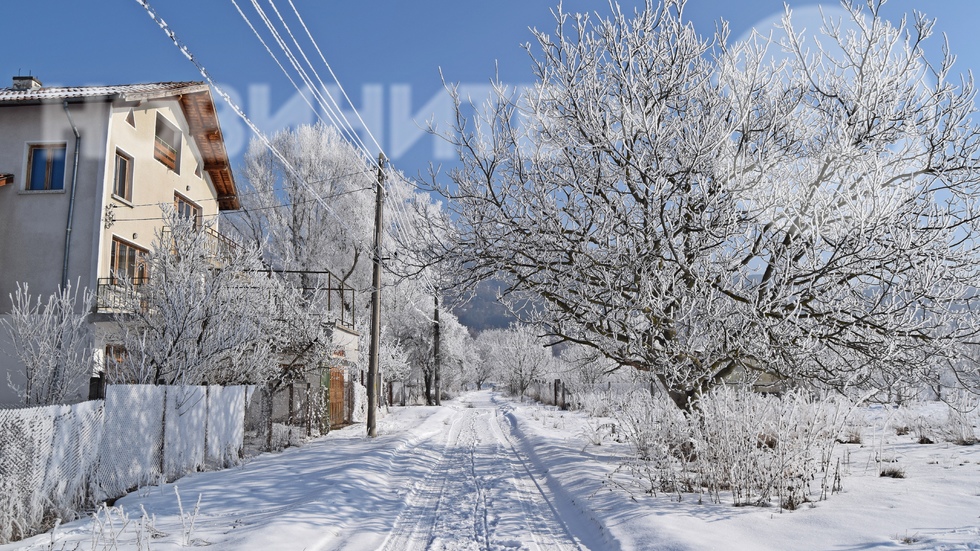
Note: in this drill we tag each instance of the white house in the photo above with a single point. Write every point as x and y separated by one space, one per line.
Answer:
83 171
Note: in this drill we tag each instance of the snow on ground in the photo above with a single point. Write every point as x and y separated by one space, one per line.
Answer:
485 472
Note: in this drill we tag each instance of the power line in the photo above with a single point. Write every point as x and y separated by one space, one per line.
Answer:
235 107
253 209
257 192
334 112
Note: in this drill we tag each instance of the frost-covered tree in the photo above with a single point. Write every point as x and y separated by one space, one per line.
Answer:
585 365
207 313
408 319
53 341
318 218
517 355
697 208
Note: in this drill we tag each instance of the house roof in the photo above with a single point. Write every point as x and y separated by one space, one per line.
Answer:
195 99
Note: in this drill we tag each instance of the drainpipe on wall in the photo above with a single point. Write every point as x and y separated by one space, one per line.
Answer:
71 197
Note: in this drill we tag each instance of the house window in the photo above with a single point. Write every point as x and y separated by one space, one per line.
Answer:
166 145
46 167
128 261
188 210
122 183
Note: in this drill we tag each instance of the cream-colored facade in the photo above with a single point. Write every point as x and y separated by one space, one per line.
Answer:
78 216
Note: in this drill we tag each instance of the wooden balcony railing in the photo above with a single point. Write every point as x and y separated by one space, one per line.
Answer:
163 152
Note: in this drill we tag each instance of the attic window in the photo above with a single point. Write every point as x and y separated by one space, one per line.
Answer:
166 145
131 118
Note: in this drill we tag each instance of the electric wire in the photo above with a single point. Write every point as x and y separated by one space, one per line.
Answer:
252 209
236 108
399 215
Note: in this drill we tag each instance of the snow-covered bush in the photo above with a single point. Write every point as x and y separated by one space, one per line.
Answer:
954 421
53 342
737 444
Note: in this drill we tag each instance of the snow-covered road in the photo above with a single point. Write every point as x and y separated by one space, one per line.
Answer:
485 472
446 478
481 492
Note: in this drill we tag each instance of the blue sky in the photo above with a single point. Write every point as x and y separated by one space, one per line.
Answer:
380 50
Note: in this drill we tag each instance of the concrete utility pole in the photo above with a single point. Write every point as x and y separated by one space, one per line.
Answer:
436 356
372 382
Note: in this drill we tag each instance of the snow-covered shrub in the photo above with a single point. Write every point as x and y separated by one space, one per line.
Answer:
954 421
737 443
660 440
962 419
359 413
284 436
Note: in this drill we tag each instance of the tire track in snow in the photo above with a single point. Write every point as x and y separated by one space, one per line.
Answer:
480 494
559 537
414 526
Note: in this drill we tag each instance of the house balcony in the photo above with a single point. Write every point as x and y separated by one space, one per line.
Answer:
332 295
113 297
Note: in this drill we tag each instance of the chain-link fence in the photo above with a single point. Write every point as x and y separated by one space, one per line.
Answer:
56 460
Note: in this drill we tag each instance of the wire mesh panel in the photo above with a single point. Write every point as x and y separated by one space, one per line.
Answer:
26 437
74 452
132 440
186 418
57 459
226 425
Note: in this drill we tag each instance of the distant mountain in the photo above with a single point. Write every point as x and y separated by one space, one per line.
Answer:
483 311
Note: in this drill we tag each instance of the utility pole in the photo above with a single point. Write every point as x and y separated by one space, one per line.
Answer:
436 356
372 382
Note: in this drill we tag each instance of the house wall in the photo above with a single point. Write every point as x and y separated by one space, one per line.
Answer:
345 344
33 224
139 220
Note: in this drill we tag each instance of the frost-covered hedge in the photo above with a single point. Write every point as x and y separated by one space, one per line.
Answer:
57 460
738 445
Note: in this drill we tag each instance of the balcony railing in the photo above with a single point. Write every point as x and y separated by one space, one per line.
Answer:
217 245
165 153
113 297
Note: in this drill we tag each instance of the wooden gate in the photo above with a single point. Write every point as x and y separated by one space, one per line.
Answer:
336 397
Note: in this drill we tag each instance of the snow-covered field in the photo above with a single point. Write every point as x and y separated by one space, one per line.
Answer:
485 472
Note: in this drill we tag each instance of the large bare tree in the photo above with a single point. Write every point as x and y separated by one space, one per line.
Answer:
696 207
206 313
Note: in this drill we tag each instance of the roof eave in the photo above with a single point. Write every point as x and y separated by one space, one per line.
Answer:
202 121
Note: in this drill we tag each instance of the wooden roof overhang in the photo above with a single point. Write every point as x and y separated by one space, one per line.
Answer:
195 100
203 123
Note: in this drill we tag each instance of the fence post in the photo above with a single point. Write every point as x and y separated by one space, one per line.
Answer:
557 386
163 434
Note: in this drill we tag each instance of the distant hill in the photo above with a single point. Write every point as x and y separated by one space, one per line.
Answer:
483 311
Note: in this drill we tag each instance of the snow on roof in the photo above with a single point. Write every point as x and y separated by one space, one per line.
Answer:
126 92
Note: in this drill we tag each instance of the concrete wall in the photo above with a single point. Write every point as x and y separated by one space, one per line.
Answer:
32 223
